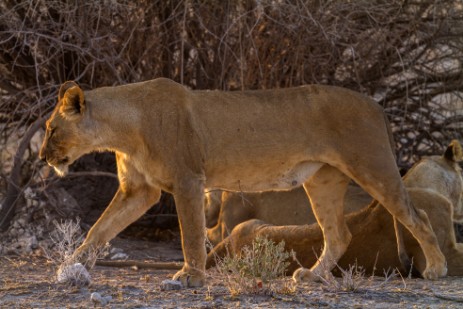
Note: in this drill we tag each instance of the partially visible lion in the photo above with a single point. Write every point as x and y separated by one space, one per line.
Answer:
225 210
441 174
373 244
169 137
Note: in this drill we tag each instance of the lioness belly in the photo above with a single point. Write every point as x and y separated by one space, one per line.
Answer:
261 178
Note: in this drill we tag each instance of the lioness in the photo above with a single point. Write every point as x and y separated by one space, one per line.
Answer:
374 241
168 137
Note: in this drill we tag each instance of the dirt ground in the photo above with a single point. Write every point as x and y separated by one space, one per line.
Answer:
29 282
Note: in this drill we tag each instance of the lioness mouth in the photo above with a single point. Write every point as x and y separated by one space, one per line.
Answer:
63 161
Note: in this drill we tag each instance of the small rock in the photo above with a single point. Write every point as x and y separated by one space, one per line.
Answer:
75 274
21 222
120 256
115 250
99 300
29 194
33 243
20 231
170 285
13 232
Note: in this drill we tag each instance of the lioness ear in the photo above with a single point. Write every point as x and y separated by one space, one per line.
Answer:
72 100
454 151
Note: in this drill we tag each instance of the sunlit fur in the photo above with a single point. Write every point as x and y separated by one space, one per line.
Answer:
439 173
168 137
433 183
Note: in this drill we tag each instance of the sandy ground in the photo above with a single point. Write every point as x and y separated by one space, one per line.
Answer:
30 282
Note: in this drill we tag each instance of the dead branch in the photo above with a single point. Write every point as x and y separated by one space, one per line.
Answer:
140 264
14 185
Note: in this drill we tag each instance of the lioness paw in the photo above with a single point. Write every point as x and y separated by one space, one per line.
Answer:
190 280
436 272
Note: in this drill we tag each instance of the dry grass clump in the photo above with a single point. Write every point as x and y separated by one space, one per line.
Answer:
261 269
353 279
67 237
257 270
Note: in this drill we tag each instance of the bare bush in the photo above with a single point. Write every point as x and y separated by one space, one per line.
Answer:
405 54
66 238
257 269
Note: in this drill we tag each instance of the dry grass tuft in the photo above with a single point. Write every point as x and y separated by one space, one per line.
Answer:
67 237
257 270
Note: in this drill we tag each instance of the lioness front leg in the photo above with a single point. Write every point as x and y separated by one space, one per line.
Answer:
326 190
190 211
133 198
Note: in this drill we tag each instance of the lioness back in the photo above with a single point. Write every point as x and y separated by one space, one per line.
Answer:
276 130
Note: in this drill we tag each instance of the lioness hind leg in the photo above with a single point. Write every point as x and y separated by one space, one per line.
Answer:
326 190
386 186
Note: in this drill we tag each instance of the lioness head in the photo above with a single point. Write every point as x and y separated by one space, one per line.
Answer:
65 137
454 155
442 174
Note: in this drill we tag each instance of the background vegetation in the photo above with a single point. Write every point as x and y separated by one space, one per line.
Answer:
405 54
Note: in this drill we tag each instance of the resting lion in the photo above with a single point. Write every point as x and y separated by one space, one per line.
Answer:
373 245
168 137
225 210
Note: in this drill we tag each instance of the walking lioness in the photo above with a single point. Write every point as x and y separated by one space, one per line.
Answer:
168 137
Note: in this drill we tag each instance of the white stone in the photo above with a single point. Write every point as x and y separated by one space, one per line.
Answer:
115 250
170 285
98 299
119 256
75 274
29 194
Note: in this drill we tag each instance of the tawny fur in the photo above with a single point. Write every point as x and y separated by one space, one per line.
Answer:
435 185
273 207
225 210
167 137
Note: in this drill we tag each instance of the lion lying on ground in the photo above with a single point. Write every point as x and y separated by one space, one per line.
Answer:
168 137
225 210
373 244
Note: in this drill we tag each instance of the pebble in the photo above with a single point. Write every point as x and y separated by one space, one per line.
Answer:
115 250
170 285
98 299
119 256
28 193
75 274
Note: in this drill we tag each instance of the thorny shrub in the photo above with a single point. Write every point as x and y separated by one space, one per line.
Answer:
353 279
407 55
257 269
67 237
